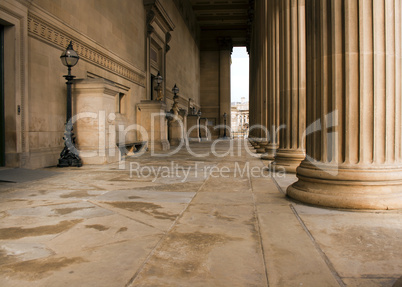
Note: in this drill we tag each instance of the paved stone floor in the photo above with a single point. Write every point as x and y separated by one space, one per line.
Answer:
191 219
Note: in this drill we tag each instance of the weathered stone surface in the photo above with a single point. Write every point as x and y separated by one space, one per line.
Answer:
97 226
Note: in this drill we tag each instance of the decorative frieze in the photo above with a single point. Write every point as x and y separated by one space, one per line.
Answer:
47 32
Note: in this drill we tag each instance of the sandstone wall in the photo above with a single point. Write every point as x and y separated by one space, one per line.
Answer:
110 37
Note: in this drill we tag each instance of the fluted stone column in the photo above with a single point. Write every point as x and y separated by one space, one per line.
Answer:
273 78
224 86
292 85
263 76
258 64
354 152
252 82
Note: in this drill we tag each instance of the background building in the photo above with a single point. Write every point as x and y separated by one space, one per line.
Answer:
240 119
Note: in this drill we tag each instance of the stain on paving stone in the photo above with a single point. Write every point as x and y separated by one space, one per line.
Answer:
144 207
5 258
38 268
20 232
67 210
78 194
123 229
97 227
220 216
185 254
16 200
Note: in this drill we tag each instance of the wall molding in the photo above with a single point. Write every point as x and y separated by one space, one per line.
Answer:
55 36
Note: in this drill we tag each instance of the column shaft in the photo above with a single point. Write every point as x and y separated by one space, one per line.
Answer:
354 99
273 78
264 77
252 82
292 85
224 89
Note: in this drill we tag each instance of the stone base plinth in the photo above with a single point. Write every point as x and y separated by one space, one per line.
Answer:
343 187
193 128
263 145
176 133
205 134
94 102
287 160
270 152
151 116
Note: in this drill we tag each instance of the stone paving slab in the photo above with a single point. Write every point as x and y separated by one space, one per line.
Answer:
364 248
97 226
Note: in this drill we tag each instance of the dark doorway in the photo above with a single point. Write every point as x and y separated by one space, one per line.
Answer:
2 127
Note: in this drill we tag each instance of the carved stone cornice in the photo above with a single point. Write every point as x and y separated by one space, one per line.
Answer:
155 12
26 3
49 33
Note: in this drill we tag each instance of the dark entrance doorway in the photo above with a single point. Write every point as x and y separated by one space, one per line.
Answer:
2 127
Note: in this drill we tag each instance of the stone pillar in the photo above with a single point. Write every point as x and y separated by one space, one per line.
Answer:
224 85
178 129
264 76
151 116
176 135
252 49
95 131
354 152
184 113
273 79
259 80
292 85
193 128
204 132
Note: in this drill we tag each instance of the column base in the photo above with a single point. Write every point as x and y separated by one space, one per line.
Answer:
348 187
194 140
288 160
270 152
262 147
256 144
174 142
